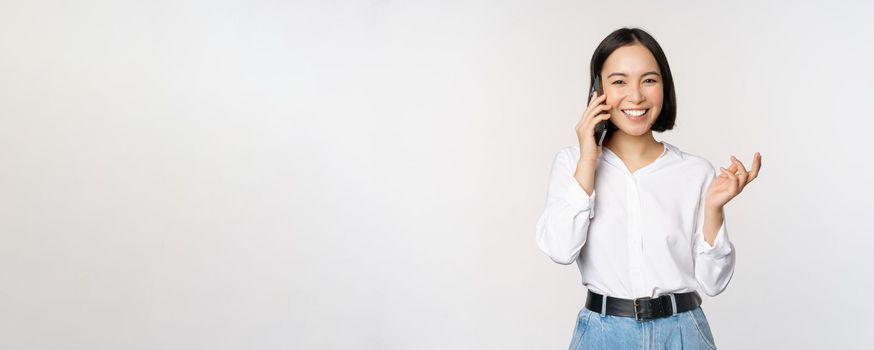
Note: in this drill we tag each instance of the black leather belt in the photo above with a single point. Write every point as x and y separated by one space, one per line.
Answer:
645 308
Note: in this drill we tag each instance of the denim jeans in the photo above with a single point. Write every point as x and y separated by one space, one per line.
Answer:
686 330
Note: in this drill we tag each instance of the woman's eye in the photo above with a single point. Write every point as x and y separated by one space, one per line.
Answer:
623 82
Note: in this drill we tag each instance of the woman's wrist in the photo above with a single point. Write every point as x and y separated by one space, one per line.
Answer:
713 218
712 208
585 175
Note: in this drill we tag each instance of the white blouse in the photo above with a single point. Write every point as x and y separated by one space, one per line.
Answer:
647 238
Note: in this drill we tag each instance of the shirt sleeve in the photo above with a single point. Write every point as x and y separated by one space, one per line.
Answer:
714 265
562 227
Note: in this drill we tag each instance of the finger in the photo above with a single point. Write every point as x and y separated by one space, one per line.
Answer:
596 100
591 111
586 126
732 180
596 96
734 184
757 165
743 174
732 168
595 120
597 110
602 108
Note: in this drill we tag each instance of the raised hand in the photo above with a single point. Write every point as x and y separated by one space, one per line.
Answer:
732 181
589 150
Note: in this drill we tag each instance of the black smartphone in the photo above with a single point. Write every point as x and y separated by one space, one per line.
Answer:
601 128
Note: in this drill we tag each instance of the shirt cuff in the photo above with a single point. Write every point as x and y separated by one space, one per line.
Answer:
721 245
579 200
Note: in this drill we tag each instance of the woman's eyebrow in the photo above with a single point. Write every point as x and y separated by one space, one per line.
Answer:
625 75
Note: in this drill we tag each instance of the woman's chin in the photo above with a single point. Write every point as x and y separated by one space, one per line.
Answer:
633 131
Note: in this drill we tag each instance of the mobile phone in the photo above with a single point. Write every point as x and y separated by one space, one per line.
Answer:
601 128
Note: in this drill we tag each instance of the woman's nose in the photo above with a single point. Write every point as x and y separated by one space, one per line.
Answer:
635 95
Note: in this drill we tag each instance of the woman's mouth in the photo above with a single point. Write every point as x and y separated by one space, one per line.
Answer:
635 114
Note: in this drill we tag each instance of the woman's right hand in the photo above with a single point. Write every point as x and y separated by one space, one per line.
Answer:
589 150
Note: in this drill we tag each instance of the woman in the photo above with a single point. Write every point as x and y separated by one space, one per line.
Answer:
659 234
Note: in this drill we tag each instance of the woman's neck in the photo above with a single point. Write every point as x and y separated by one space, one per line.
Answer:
629 147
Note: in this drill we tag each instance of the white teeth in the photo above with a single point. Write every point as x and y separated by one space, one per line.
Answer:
634 112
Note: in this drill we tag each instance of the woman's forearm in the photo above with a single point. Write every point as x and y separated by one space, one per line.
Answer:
585 175
712 221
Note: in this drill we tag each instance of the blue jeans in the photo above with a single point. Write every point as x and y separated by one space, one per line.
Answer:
685 330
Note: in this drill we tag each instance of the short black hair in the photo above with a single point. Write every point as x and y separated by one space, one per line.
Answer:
629 36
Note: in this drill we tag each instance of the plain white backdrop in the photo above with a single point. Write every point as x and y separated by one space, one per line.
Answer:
368 174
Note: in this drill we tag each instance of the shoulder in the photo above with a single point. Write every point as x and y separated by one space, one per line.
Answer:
693 162
566 157
567 154
571 151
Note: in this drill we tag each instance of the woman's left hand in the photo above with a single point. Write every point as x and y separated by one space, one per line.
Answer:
732 181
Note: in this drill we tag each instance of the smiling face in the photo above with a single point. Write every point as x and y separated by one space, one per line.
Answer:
633 84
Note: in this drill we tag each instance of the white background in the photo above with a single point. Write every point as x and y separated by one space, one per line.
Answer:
368 174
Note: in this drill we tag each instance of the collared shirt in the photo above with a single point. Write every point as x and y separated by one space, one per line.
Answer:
639 234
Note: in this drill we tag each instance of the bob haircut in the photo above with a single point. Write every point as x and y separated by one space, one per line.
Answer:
629 36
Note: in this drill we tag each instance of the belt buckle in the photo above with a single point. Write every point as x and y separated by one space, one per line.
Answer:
636 312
